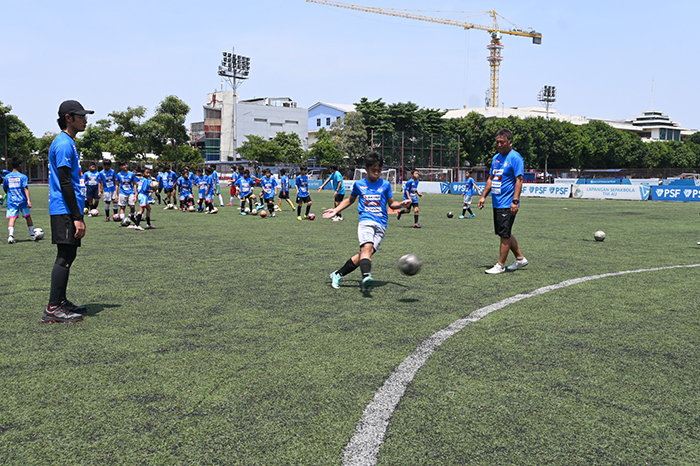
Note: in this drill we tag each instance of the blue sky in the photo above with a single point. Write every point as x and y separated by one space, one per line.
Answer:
601 56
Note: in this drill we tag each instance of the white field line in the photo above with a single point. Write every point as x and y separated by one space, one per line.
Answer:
363 447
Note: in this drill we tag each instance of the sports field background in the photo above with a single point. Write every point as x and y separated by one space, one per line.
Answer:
216 339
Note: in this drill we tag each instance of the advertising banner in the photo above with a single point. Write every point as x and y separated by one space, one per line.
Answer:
601 191
458 188
679 194
546 190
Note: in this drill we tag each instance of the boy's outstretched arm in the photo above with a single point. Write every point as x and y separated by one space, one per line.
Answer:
342 206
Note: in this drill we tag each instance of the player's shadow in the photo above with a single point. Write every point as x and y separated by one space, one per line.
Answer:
96 308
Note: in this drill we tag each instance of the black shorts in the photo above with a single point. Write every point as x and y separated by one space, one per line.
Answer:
503 222
92 192
284 195
269 200
63 230
306 199
168 190
339 197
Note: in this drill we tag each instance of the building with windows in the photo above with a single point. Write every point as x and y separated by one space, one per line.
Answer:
650 126
227 122
323 114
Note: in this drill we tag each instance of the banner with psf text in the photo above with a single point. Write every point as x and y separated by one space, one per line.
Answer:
679 194
602 191
546 190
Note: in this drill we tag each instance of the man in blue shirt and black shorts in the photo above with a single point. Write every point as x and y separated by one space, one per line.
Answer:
66 201
336 180
505 184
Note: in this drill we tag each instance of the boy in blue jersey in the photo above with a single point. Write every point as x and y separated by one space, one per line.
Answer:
211 187
201 182
169 178
284 190
126 193
108 187
159 179
217 186
410 192
184 186
15 184
375 198
469 188
232 184
92 187
143 188
245 189
505 184
336 180
66 201
303 196
269 189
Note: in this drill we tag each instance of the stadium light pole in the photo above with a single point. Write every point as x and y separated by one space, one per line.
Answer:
547 96
235 69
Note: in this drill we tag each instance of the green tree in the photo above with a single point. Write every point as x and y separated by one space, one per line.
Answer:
290 145
20 140
324 150
95 140
166 131
128 141
375 116
260 149
350 136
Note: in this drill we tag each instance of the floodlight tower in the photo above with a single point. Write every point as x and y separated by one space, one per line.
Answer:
235 69
547 95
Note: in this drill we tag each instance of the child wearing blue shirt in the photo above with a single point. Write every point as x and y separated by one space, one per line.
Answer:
469 188
92 187
16 186
303 196
143 187
375 195
410 192
284 190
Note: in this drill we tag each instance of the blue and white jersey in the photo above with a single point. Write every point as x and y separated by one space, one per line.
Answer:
215 178
169 179
268 186
14 185
92 178
302 184
127 182
108 178
337 182
411 190
469 187
373 200
284 184
184 185
159 179
504 171
210 184
234 178
63 153
245 185
143 186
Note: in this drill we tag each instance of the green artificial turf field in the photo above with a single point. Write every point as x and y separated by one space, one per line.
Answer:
217 339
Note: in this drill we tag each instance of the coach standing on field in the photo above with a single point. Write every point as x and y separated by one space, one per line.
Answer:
505 184
66 201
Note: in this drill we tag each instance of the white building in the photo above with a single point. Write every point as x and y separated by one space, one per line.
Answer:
263 117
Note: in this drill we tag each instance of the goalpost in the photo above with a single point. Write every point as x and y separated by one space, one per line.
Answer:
388 174
443 175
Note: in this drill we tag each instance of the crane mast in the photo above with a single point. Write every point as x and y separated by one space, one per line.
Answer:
495 47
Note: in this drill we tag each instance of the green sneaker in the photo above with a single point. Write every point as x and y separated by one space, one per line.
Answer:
366 285
335 280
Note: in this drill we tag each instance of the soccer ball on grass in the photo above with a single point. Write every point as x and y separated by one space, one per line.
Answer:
450 214
599 235
263 213
409 264
312 216
39 233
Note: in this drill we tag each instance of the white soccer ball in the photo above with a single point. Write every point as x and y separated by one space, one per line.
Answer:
215 210
599 235
191 208
94 213
247 210
39 233
171 206
409 264
116 217
126 222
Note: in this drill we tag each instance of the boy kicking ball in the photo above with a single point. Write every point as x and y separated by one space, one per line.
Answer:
375 198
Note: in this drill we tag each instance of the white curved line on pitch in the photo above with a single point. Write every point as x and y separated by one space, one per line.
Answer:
363 447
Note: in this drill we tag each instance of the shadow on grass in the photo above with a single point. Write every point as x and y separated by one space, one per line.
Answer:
94 309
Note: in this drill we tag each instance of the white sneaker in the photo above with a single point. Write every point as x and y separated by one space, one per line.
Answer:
32 238
10 240
336 219
518 264
498 268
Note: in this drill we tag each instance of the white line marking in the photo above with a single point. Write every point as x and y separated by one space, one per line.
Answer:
363 447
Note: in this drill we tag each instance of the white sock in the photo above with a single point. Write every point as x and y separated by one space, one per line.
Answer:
11 230
31 230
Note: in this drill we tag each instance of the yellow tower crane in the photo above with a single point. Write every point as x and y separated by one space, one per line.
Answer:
495 47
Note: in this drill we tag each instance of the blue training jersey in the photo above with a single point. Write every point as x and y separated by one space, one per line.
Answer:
184 185
268 186
284 184
469 187
144 186
91 178
127 182
63 153
504 171
302 184
245 185
169 179
14 185
411 190
108 178
373 200
337 182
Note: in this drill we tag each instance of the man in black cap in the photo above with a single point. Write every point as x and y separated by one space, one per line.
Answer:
66 201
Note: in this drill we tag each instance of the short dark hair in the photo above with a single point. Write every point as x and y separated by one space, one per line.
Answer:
123 162
374 158
283 172
505 132
303 167
334 168
267 170
92 164
246 172
107 163
15 162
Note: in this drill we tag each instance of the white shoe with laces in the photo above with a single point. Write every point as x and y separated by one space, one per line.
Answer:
498 268
518 264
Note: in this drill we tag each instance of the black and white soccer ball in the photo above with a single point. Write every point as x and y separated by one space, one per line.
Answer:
39 233
409 264
599 235
125 222
450 214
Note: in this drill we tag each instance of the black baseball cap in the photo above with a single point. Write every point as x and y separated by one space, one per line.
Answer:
72 107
